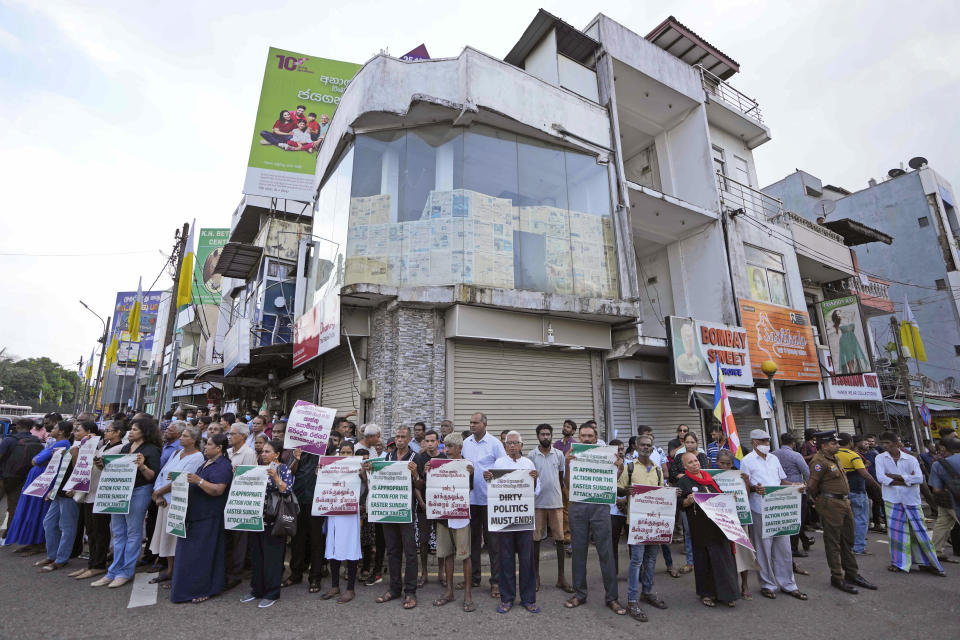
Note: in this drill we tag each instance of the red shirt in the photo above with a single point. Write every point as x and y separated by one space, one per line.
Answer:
285 126
314 126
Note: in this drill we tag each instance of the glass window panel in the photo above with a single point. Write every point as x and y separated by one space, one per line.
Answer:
763 258
490 163
541 247
778 288
588 186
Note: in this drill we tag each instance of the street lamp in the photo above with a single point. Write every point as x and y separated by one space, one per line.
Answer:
769 368
103 341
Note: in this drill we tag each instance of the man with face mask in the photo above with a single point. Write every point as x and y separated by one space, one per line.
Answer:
550 464
773 554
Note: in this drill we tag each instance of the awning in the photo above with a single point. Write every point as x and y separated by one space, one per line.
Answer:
856 233
899 407
741 402
945 196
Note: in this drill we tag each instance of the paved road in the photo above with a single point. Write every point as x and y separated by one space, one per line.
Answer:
919 605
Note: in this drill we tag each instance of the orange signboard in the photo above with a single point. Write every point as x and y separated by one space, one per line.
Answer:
782 335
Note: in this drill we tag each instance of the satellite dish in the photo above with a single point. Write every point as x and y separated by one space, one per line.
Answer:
918 163
279 302
895 173
825 207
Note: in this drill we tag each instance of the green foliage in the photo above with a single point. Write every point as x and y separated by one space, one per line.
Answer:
22 381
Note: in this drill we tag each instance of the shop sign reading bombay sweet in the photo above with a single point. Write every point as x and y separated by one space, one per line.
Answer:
782 335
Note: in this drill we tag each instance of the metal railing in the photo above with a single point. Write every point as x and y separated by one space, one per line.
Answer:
755 203
721 90
876 288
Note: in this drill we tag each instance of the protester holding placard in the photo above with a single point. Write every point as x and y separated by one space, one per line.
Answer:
185 460
643 557
267 550
746 558
482 450
60 522
453 537
199 571
690 444
587 517
143 439
714 566
240 454
773 553
399 536
430 450
343 544
97 525
306 547
16 450
27 525
517 545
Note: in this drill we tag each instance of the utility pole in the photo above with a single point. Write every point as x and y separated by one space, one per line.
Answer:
177 257
904 372
97 387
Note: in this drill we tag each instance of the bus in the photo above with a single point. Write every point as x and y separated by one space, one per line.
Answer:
14 410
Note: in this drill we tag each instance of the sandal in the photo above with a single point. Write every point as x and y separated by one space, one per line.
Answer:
167 585
289 582
707 602
673 572
200 599
314 587
331 592
386 597
746 595
766 593
687 568
731 604
503 607
617 608
796 593
347 596
469 606
409 602
573 602
636 612
563 586
800 572
161 577
495 591
442 600
421 581
532 608
895 569
653 600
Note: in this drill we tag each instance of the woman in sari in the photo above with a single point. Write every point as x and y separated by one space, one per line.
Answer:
200 571
714 565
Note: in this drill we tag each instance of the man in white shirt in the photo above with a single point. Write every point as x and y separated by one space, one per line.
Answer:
550 463
516 543
482 450
774 554
239 453
236 541
900 477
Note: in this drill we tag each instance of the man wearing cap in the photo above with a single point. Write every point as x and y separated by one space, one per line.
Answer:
773 554
829 487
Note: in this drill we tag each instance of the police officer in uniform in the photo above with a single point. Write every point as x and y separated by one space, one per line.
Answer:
828 486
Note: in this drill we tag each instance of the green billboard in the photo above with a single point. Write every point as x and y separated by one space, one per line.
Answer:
206 283
297 100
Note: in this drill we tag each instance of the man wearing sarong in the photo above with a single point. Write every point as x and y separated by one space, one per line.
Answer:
900 476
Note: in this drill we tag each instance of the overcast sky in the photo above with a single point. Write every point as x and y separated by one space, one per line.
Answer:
121 124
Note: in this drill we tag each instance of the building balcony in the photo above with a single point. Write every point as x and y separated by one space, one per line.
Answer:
733 111
821 253
738 197
874 294
658 219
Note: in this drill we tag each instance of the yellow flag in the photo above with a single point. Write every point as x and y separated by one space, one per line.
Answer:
89 371
133 320
185 285
910 334
112 352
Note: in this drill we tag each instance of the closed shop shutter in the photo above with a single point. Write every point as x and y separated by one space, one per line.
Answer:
746 424
622 419
306 391
338 384
663 407
822 416
519 388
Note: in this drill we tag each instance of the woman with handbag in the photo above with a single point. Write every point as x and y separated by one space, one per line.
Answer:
266 549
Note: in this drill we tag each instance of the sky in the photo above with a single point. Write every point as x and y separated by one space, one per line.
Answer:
121 125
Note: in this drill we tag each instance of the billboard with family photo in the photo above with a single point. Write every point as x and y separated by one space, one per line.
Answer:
297 100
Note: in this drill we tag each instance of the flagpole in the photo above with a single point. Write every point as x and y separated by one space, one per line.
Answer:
136 376
904 371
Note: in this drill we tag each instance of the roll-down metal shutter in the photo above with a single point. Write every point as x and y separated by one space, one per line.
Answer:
519 388
305 391
660 406
338 383
821 416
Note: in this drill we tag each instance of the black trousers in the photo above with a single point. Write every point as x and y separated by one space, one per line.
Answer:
266 556
307 547
401 541
618 526
98 535
804 508
236 553
151 525
478 534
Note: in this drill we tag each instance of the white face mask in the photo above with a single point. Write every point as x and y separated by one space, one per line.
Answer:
763 449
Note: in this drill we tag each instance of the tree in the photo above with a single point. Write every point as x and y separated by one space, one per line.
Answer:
22 382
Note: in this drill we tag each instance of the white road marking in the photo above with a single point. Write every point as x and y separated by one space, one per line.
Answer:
143 593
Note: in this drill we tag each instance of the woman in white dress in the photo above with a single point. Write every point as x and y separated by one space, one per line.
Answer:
343 546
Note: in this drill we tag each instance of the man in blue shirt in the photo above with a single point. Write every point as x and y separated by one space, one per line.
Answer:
719 441
482 450
171 440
